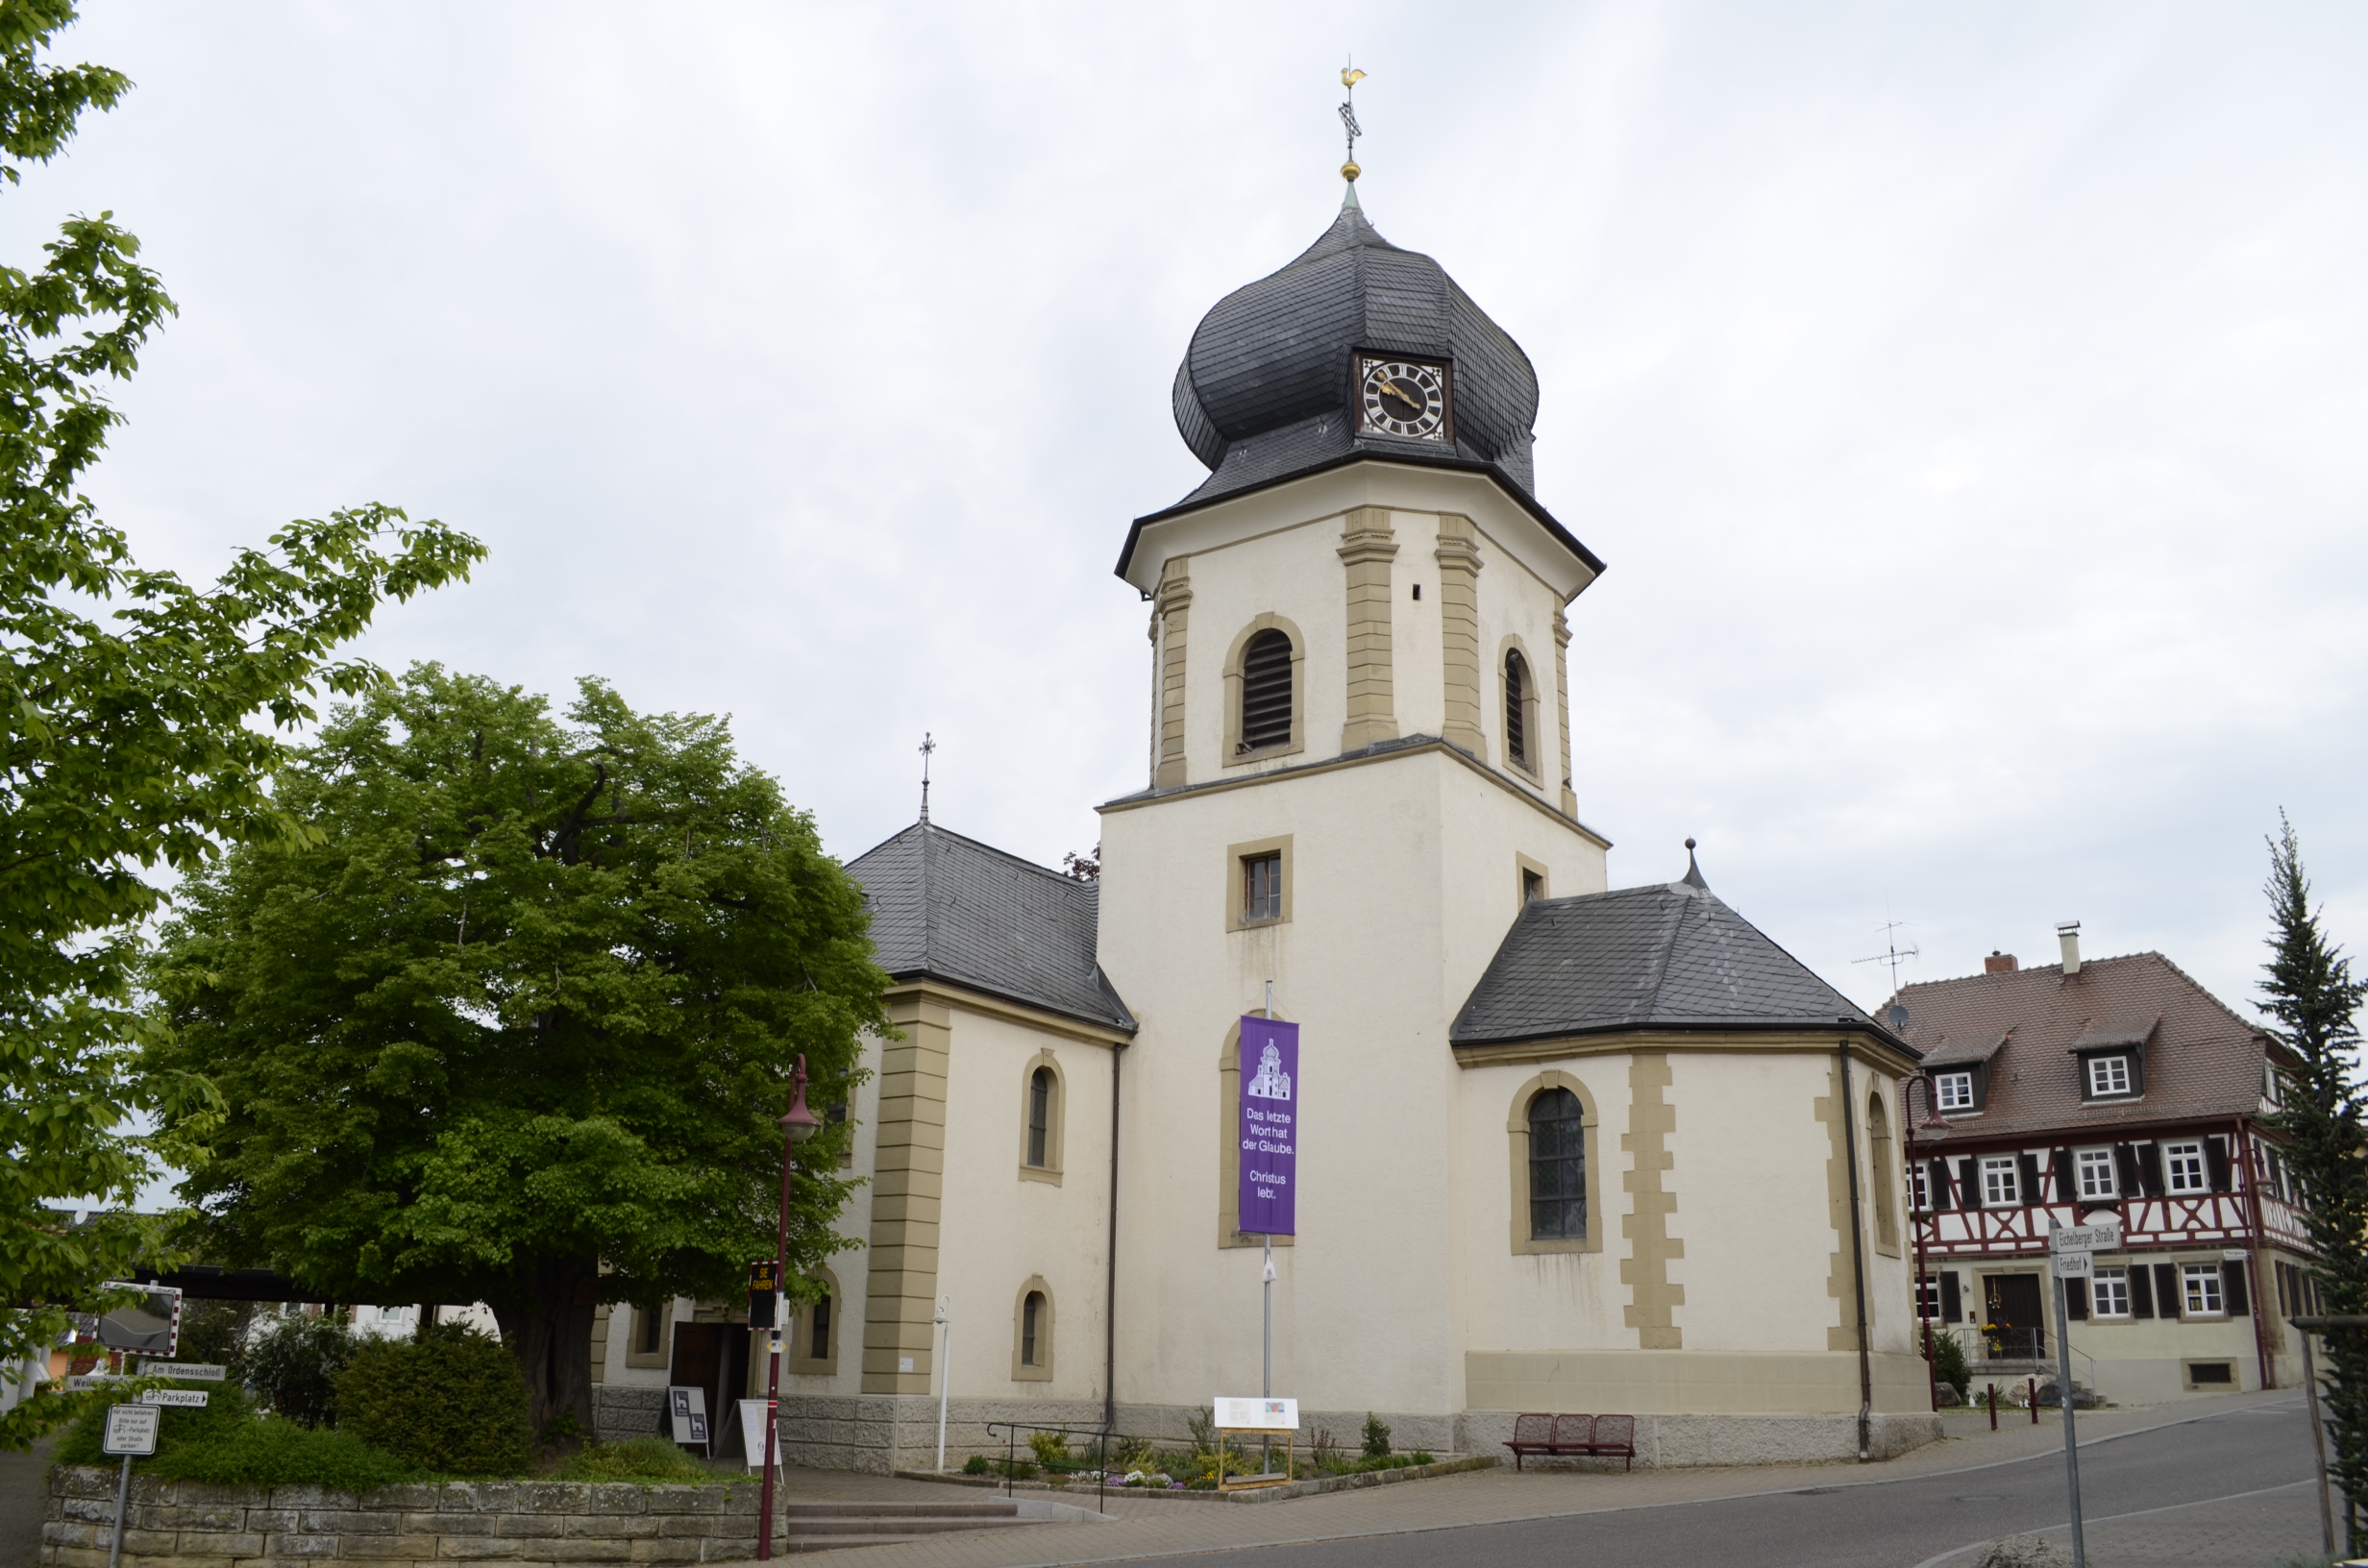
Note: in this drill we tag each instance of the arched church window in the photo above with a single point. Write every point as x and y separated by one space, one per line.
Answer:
1557 1167
1517 708
1265 691
1879 1141
1039 1116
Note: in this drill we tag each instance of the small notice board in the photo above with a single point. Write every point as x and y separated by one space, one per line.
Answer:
1265 1418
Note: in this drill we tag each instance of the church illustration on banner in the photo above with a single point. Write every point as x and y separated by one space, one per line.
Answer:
1575 1148
1271 1082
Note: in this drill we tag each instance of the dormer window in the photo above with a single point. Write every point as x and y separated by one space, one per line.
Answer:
2108 1075
1265 692
1953 1090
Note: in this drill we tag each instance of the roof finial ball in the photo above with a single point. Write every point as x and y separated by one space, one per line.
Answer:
1694 872
1350 75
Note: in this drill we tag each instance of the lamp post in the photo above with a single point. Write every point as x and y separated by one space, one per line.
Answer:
797 1126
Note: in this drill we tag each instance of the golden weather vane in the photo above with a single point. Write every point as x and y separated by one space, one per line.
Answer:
1350 75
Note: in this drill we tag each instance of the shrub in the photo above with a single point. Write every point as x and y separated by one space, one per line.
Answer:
225 1443
1949 1363
294 1365
1376 1437
1325 1450
1419 1456
452 1399
1051 1448
650 1457
977 1465
217 1332
1202 1425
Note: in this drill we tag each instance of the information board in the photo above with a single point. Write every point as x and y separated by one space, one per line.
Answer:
687 1409
1258 1414
131 1428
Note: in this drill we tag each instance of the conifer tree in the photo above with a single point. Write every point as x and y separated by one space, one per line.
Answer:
2314 1001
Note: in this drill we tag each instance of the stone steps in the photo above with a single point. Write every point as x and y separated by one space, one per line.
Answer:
825 1527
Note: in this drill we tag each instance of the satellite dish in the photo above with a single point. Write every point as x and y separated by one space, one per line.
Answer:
1897 1018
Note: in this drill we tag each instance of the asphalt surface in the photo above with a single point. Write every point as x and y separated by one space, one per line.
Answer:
2158 1488
24 1493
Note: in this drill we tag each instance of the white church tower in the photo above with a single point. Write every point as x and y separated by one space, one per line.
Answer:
1522 1132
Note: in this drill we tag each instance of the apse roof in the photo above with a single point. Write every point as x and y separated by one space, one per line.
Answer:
952 909
1664 957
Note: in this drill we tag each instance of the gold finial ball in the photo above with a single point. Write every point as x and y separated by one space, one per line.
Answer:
1350 172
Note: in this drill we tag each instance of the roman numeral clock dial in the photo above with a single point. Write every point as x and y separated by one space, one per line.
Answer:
1404 397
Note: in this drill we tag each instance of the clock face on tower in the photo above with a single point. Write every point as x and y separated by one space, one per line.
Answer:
1404 397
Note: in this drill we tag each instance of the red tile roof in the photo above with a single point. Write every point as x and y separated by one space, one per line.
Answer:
2201 1059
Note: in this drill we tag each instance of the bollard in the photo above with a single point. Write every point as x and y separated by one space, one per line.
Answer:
1993 1407
2033 1397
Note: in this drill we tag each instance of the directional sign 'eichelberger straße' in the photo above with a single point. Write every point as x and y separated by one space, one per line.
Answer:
2085 1239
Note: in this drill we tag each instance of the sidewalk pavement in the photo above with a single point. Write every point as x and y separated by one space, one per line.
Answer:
1150 1526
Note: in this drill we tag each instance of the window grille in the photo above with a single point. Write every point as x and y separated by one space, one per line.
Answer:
1262 887
1030 1315
2203 1289
2108 1075
1039 1114
1955 1091
2002 1185
1265 692
2096 1167
2111 1289
2182 1169
817 1343
1517 705
1557 1167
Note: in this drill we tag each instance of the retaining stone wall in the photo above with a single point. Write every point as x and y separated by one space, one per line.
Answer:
188 1524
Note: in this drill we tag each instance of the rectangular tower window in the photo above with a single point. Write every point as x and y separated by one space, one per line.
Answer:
1261 888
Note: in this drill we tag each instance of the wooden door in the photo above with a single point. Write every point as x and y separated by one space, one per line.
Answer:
2013 1303
699 1363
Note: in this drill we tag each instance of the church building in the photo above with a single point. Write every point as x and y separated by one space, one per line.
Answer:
1560 1147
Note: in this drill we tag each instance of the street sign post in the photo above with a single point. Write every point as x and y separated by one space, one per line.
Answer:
2073 1250
184 1398
184 1371
131 1432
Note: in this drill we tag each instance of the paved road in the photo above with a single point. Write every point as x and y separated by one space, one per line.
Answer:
2220 1490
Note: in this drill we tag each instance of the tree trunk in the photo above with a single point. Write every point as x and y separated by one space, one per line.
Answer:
548 1325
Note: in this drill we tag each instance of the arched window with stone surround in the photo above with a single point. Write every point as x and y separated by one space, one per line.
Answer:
1039 1116
1516 709
1878 1148
1265 692
1557 1165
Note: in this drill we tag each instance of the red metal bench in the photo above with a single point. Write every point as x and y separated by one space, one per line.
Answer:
1574 1436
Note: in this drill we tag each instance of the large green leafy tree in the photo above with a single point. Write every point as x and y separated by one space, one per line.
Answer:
127 709
516 1021
2314 1001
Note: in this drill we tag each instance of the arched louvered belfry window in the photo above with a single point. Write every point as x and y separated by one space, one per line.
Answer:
1265 691
1557 1165
1517 708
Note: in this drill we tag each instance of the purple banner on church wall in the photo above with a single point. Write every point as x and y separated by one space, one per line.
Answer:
1269 1127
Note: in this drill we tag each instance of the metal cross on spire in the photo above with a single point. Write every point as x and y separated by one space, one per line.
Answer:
927 746
1350 75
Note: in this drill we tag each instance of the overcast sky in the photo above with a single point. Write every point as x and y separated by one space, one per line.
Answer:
1971 400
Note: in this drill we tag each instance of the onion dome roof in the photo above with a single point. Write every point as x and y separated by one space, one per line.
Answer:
1266 391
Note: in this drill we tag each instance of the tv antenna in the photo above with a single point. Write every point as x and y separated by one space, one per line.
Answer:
1893 955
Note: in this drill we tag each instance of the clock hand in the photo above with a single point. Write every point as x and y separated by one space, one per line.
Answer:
1392 389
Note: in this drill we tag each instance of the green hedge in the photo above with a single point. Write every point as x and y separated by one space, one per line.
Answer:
226 1442
449 1401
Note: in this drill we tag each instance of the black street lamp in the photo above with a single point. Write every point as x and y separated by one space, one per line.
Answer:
797 1126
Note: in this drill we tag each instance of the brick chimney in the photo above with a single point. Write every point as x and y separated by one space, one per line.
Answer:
1999 963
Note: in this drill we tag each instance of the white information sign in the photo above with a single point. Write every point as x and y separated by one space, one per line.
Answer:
187 1371
2073 1266
1258 1414
753 1413
131 1429
188 1399
687 1409
2085 1239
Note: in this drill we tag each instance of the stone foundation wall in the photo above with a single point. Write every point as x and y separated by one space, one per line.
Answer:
623 1410
186 1524
881 1432
1672 1441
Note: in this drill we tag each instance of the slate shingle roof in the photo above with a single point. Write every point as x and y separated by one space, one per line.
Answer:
1667 956
952 909
1264 393
2201 1058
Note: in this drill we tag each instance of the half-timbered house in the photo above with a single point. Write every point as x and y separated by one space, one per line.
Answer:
2117 1091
